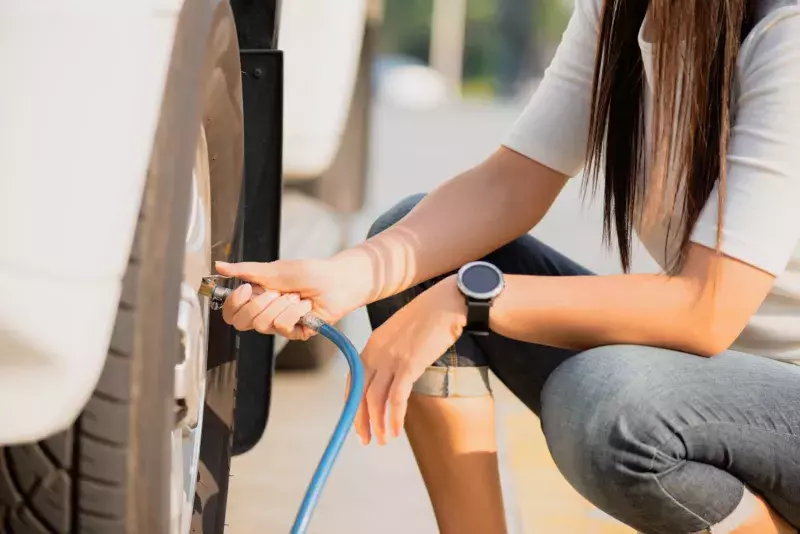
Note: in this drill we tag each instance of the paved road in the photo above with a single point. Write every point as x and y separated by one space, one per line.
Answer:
378 489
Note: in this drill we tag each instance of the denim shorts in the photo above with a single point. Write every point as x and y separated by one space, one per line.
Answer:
666 442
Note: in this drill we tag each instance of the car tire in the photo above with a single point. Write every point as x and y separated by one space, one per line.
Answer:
110 471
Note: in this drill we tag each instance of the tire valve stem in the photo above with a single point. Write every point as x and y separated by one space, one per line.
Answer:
209 287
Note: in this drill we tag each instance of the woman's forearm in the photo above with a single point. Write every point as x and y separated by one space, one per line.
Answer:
464 219
702 310
581 312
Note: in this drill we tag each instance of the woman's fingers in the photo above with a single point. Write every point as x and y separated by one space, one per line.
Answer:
361 422
286 323
257 273
386 389
235 301
398 401
259 300
376 403
267 311
263 322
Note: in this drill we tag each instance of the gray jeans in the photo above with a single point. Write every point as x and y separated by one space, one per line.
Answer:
664 441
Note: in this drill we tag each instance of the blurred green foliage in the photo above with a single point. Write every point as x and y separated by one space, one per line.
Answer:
406 28
505 39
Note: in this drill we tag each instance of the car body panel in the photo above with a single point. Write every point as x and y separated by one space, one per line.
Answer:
81 106
74 150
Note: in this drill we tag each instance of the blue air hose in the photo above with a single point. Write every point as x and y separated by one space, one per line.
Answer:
217 295
342 427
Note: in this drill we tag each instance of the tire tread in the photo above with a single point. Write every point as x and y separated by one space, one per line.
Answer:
64 483
72 482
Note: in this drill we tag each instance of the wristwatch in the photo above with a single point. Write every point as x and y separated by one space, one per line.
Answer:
480 282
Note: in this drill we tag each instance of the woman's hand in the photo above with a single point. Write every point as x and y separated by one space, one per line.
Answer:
400 350
283 291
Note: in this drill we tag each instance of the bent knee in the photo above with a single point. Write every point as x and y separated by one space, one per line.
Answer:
607 410
394 214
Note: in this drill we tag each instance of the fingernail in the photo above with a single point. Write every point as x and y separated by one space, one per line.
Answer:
294 297
222 264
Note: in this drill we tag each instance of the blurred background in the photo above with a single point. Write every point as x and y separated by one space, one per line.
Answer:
439 84
478 49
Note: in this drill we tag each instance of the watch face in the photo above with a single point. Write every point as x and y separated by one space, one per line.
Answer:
481 280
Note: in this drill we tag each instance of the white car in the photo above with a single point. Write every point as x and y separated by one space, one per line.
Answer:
139 144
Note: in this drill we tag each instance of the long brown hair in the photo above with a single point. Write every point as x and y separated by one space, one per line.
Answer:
695 45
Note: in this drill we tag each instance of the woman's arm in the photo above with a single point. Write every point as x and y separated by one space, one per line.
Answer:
463 219
701 311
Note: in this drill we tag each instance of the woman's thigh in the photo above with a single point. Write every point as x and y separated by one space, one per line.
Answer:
675 433
522 367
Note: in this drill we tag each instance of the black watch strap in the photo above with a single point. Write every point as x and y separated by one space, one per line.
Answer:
478 317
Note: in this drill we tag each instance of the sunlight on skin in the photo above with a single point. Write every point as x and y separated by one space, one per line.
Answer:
454 443
391 261
494 202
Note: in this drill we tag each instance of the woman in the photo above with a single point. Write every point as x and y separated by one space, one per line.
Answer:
670 401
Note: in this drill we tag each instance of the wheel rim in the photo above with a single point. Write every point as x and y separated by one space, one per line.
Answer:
190 374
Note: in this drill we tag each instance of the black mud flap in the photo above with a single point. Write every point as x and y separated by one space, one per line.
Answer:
262 92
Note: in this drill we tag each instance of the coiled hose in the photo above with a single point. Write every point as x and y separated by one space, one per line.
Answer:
217 295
